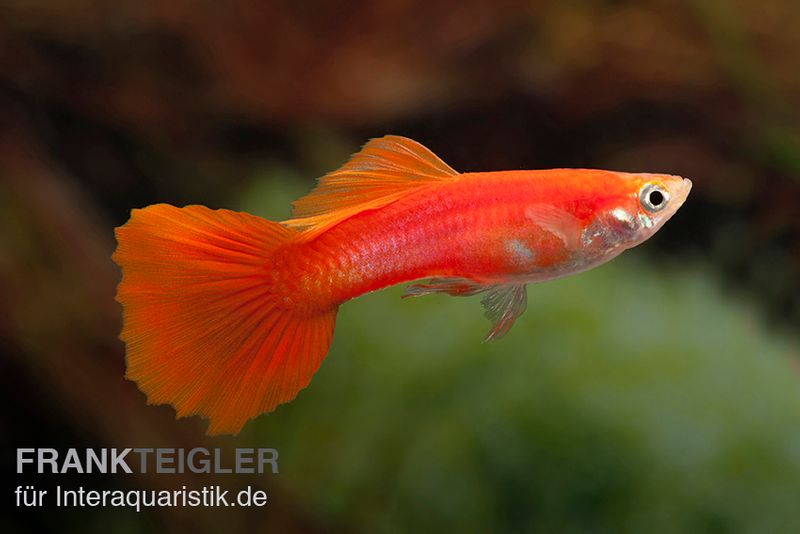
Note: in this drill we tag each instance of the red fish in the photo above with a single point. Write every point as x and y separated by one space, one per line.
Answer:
228 315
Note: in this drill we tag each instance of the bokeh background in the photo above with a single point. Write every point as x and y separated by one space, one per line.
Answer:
659 393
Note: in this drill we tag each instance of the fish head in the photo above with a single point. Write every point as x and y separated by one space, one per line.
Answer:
646 203
658 196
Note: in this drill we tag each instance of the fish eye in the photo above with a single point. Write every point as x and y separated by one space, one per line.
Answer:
654 197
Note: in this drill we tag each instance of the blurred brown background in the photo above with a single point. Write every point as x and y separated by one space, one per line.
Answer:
110 105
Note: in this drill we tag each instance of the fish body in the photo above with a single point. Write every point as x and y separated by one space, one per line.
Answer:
229 315
489 227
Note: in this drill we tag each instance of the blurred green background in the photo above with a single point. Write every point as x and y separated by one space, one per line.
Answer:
659 393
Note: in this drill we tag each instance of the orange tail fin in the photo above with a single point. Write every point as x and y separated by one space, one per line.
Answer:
204 327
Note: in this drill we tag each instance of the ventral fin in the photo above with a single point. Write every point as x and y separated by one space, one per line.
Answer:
383 171
557 221
503 304
457 287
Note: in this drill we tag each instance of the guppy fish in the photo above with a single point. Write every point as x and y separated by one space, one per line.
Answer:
228 315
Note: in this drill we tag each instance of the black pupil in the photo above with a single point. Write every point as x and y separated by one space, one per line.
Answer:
656 198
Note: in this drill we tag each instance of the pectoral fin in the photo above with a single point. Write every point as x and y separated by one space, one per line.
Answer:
557 221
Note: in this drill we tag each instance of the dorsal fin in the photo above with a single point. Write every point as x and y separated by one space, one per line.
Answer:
384 170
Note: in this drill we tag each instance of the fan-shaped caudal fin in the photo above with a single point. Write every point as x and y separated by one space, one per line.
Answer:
383 171
204 328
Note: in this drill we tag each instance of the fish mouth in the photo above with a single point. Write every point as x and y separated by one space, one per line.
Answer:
682 191
678 188
685 186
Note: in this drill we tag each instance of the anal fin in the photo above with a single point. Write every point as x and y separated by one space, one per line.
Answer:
457 287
